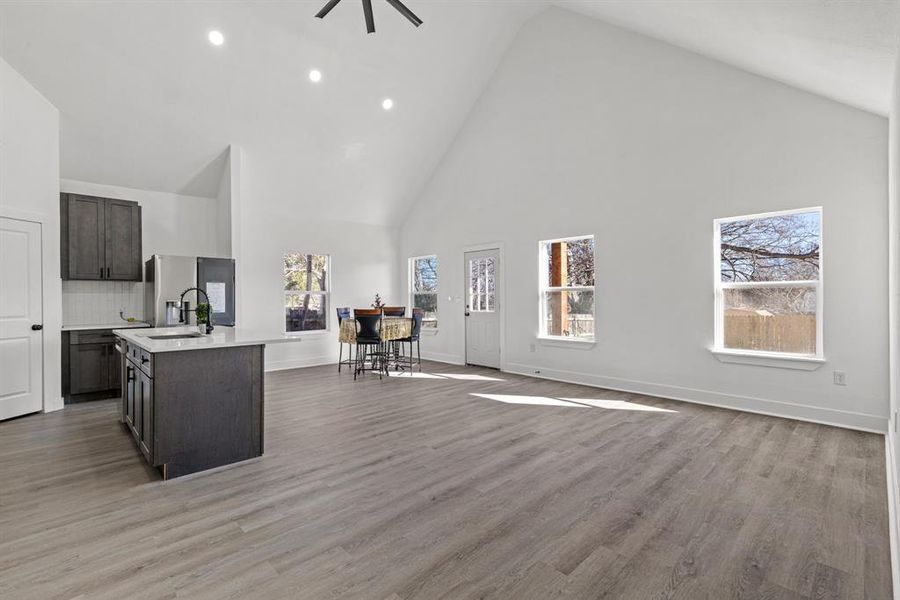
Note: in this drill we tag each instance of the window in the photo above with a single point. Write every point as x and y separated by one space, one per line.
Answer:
567 288
424 284
306 289
482 292
769 284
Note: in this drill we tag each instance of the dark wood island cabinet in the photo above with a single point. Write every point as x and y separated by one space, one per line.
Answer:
193 406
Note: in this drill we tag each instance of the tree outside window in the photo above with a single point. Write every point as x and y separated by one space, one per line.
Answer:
768 289
306 290
424 280
567 288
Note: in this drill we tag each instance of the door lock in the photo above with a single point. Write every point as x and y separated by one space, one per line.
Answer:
37 327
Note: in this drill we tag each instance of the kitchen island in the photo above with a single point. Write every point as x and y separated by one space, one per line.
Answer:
194 402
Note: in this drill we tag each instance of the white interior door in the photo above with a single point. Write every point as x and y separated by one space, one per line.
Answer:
21 339
483 308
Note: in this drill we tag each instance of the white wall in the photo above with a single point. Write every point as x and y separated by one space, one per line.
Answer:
892 447
589 129
223 209
29 189
271 219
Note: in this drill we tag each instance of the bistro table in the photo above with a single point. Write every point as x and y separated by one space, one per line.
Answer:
392 328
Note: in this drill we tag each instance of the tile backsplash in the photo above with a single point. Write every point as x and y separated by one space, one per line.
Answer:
99 302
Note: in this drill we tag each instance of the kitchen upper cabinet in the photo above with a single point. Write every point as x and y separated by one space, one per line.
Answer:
123 240
101 238
86 244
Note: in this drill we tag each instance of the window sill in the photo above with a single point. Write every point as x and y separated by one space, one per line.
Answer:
301 334
768 359
562 342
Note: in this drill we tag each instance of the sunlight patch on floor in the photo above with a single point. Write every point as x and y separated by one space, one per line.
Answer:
404 375
572 402
471 377
518 399
618 405
460 376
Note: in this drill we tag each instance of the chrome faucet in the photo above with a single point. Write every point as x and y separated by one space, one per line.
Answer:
209 314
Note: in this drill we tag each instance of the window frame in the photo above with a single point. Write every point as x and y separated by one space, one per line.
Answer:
543 289
411 276
326 294
760 357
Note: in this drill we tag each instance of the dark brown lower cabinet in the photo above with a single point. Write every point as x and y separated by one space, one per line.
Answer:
194 410
91 366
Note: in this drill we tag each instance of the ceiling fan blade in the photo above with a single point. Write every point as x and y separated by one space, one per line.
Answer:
401 8
327 8
370 17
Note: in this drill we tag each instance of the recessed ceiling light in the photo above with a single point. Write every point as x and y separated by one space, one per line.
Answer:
315 76
216 38
388 104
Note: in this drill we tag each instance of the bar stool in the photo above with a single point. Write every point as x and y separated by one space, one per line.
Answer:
343 313
393 346
369 343
417 315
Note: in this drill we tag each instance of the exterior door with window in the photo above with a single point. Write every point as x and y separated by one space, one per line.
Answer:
482 308
21 338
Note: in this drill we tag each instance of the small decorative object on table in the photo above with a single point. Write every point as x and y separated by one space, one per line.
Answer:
202 317
378 303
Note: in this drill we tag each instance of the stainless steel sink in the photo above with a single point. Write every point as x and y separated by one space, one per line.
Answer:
175 336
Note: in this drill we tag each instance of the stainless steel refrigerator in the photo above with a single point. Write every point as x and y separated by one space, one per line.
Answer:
166 277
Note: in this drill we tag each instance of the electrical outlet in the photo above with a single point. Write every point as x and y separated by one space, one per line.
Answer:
840 378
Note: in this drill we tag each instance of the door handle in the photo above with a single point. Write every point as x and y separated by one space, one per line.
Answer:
37 327
467 310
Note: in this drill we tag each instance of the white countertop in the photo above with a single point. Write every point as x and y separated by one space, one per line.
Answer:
119 325
221 337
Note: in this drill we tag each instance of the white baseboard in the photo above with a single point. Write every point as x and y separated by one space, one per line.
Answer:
774 408
450 359
299 363
893 494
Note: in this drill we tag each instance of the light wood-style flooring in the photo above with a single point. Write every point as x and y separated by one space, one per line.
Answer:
415 488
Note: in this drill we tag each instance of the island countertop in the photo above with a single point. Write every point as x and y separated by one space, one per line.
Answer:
221 337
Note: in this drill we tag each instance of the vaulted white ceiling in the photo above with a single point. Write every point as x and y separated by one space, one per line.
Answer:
842 49
147 102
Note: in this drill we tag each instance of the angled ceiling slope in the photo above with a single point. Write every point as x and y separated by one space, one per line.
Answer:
147 102
841 50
